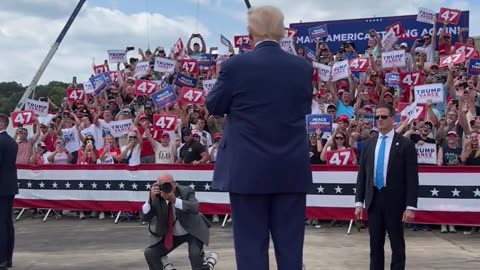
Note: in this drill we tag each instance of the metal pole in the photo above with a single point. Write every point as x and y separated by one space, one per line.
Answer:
51 53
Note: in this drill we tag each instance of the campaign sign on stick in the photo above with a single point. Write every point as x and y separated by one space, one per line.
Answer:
189 65
340 70
23 118
117 56
397 29
208 85
319 121
451 16
468 49
108 78
290 32
240 40
191 95
141 69
164 65
474 67
88 87
392 79
320 31
452 59
38 107
359 64
340 157
411 78
225 41
288 45
393 59
389 39
185 81
177 48
120 127
114 75
145 88
324 71
100 69
426 15
164 98
434 92
410 112
75 95
310 54
99 84
426 153
167 122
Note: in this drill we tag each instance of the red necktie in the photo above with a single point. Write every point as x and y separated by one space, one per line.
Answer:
169 236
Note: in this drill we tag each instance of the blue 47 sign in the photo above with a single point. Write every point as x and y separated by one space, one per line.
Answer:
356 30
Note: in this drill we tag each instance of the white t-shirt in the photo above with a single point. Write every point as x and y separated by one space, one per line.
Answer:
105 127
135 158
96 132
214 157
72 139
164 154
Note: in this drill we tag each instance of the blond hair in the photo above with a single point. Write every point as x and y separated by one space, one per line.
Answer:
266 22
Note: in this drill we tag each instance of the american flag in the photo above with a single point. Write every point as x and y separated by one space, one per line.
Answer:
447 195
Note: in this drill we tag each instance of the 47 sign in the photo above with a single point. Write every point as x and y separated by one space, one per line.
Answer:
23 118
165 122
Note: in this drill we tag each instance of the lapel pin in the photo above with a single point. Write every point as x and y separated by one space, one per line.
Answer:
396 143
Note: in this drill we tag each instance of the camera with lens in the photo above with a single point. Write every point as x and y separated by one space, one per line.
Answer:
166 188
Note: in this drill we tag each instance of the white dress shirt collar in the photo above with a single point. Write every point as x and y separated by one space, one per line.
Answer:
389 134
261 41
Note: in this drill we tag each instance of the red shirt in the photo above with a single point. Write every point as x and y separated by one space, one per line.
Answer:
147 149
112 150
89 159
50 142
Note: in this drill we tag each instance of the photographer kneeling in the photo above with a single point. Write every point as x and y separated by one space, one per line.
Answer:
174 218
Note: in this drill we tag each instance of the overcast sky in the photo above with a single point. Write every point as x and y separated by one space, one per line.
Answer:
28 28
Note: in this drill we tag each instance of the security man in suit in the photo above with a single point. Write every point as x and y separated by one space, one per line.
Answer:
8 190
172 210
387 181
262 159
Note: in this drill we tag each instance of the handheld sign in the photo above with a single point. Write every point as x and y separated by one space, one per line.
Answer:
409 112
177 48
185 81
397 29
165 122
88 87
426 15
225 41
75 95
310 54
389 39
288 45
164 97
38 107
208 85
290 32
359 64
411 78
474 67
324 71
120 127
117 56
189 65
426 153
451 16
340 157
99 84
319 121
145 88
23 118
468 49
164 65
452 59
100 69
239 40
114 75
392 79
340 70
141 69
320 31
393 59
433 92
192 96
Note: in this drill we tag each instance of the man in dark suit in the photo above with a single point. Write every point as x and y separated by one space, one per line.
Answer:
8 190
174 215
388 183
263 159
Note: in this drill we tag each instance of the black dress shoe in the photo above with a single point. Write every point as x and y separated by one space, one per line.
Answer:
4 265
10 264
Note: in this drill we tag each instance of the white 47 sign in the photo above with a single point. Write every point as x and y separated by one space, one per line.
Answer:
165 122
192 95
359 64
452 59
410 78
22 118
464 48
340 157
189 65
75 94
145 88
452 16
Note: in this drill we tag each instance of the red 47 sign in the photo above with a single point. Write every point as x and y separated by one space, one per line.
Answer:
411 78
468 49
449 15
114 75
289 32
22 118
397 28
359 64
340 157
100 69
145 88
189 65
239 40
166 122
192 96
452 59
74 95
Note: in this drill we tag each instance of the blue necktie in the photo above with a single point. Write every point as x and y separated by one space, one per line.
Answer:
380 164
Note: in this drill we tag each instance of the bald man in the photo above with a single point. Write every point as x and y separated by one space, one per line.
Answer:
174 217
262 159
8 190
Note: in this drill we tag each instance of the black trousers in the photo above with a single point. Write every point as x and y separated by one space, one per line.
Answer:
154 254
385 218
7 232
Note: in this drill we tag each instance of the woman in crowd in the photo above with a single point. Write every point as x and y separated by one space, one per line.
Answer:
88 152
110 153
316 148
60 155
337 142
40 155
131 152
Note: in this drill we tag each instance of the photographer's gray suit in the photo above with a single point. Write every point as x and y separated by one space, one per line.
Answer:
194 223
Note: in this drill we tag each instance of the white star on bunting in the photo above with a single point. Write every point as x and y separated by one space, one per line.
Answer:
192 186
320 189
456 193
107 185
80 185
54 184
434 192
477 193
134 186
29 184
94 185
42 185
67 185
148 186
207 186
338 189
122 185
18 184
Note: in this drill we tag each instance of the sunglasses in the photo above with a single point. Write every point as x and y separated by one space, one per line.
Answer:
132 137
88 139
339 138
383 117
427 126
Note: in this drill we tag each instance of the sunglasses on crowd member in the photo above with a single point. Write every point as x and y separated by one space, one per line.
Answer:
383 117
339 138
427 126
89 139
132 137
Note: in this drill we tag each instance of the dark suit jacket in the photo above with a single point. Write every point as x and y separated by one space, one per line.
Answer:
402 174
266 94
190 218
8 168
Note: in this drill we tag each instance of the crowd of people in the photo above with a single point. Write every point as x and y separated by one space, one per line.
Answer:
79 132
